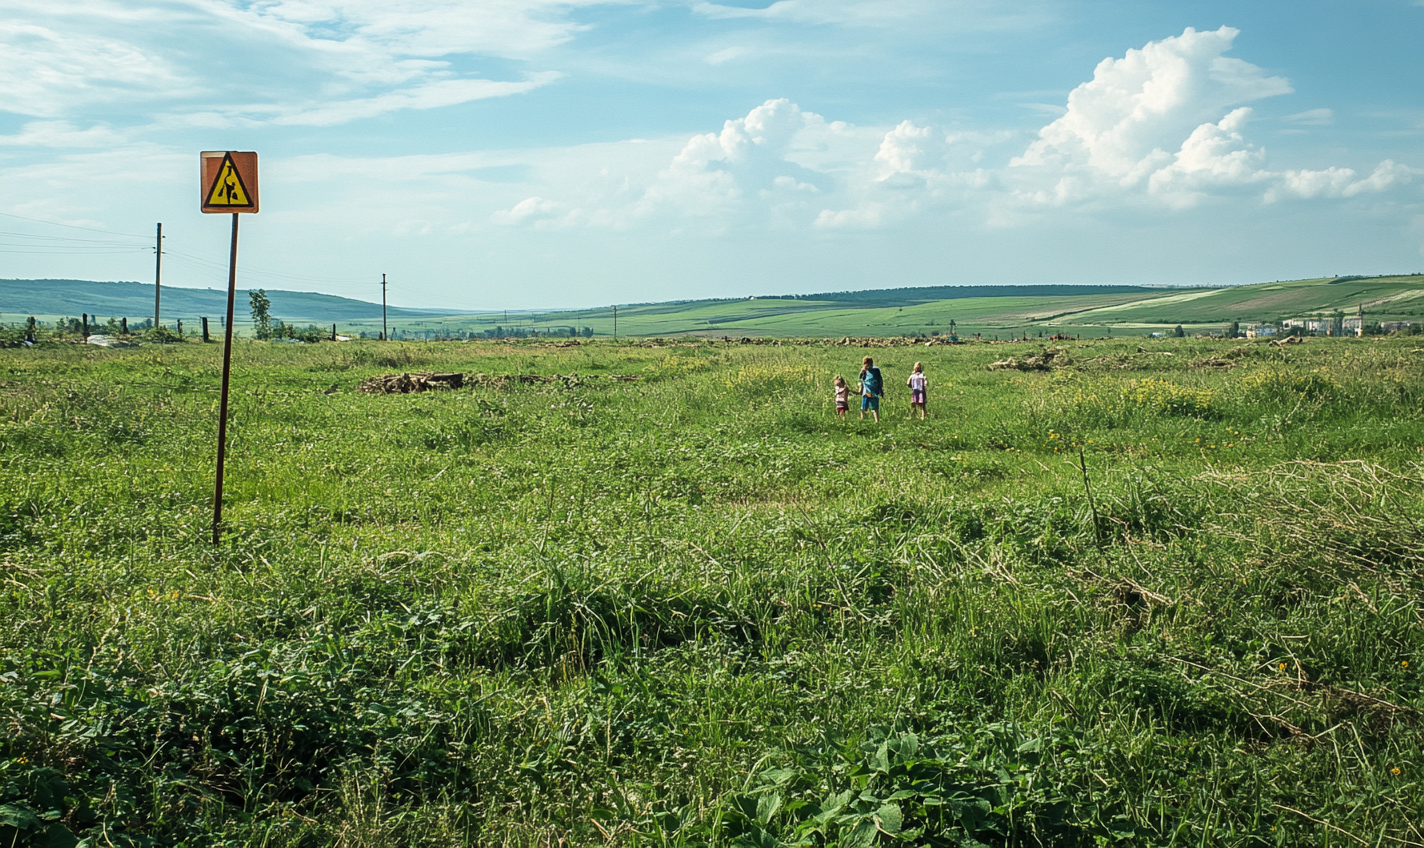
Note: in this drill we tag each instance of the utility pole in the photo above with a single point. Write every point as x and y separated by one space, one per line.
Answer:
385 334
157 273
615 323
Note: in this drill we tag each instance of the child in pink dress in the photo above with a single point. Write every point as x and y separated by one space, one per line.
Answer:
918 384
842 396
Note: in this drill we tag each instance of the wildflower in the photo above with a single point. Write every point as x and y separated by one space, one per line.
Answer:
1404 663
1394 770
1281 667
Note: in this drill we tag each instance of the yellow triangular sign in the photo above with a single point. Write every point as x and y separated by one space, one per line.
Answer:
227 188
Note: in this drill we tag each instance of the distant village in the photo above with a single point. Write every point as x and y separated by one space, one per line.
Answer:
1338 324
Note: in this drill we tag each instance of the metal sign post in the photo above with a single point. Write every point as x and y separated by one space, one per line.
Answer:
229 185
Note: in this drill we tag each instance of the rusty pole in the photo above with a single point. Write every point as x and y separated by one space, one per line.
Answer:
227 372
157 274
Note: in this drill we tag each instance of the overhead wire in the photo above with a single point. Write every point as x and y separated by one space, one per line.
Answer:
72 226
72 245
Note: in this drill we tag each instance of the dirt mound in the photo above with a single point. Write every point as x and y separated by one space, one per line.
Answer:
397 384
1050 358
394 384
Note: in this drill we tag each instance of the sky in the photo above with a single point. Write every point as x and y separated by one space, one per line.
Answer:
538 154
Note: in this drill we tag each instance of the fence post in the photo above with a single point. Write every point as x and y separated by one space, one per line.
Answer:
84 327
333 332
204 319
124 326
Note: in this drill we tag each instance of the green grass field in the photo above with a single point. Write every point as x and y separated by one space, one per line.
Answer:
1165 597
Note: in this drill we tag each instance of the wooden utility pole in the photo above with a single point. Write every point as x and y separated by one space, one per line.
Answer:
615 323
385 333
157 273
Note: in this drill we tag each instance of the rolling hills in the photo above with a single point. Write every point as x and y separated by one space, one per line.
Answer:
54 298
993 311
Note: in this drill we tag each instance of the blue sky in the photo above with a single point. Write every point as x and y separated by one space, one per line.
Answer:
546 153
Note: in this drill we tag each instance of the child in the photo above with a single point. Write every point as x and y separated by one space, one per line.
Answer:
917 384
872 387
842 396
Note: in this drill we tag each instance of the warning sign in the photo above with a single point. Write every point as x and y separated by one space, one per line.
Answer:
229 181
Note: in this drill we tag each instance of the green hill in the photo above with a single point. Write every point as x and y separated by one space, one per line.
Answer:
1391 298
52 298
1001 311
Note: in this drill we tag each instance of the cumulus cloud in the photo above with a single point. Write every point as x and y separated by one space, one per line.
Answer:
1340 182
1213 156
909 149
1164 126
869 216
1122 123
532 211
748 159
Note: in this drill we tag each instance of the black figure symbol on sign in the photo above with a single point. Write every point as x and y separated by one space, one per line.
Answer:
228 189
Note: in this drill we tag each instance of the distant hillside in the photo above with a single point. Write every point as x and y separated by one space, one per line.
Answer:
1384 298
911 296
135 301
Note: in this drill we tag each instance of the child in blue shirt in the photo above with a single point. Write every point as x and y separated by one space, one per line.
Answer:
872 388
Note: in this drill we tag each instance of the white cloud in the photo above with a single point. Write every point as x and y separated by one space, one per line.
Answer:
726 55
305 62
909 149
508 28
429 96
533 210
1341 182
1163 127
1311 118
868 216
749 159
1121 124
1213 156
962 15
61 134
44 72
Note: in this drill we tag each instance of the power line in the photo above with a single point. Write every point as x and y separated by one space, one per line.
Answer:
95 251
72 226
44 238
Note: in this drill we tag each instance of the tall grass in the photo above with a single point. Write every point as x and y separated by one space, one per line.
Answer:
696 608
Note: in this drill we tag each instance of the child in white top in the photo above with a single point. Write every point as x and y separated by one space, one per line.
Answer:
918 384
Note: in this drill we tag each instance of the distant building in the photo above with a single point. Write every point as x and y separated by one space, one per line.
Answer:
1260 331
